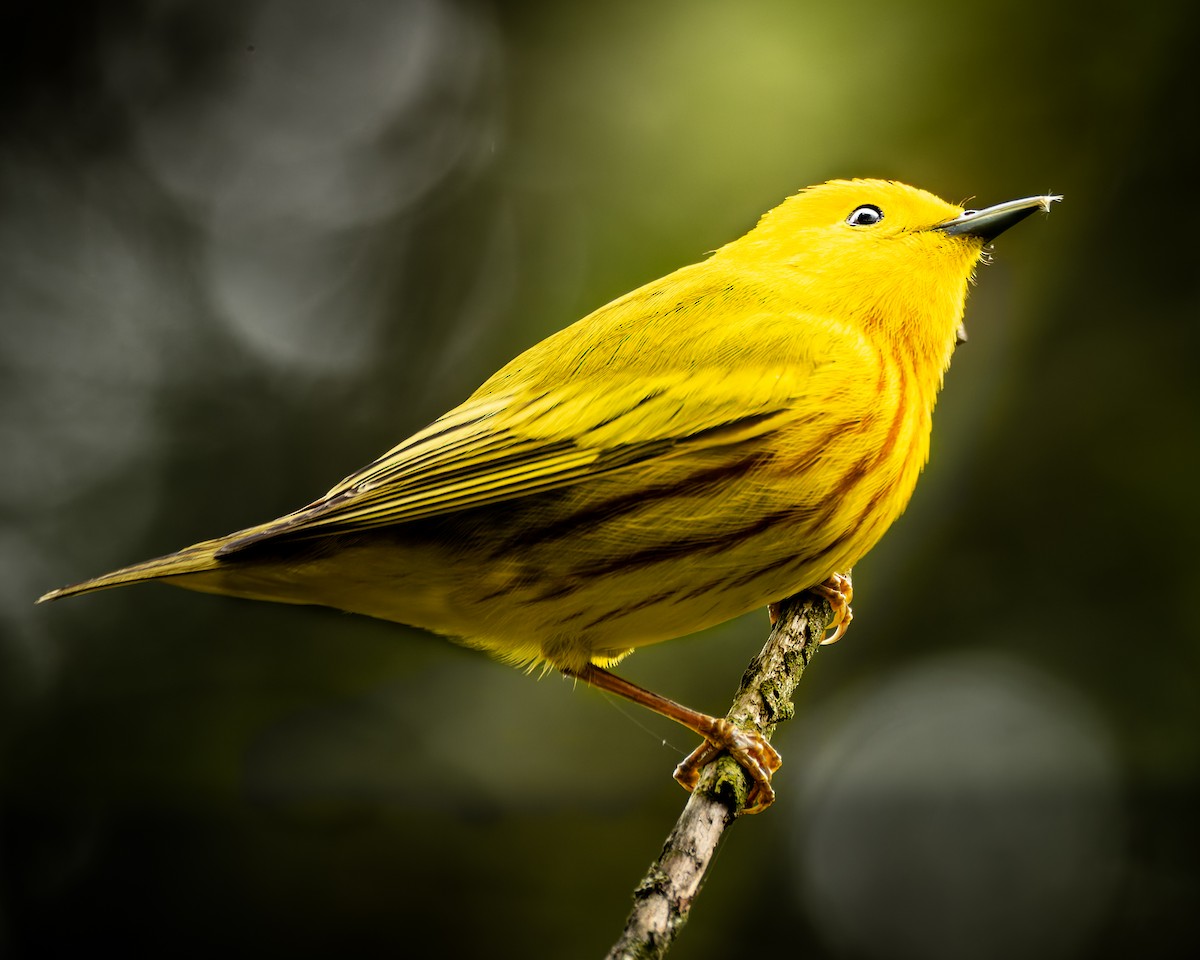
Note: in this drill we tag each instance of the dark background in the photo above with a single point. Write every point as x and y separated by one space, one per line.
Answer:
247 247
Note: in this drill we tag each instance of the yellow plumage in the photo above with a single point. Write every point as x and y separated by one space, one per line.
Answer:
716 440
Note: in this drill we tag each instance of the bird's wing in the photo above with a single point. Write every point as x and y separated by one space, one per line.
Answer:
497 447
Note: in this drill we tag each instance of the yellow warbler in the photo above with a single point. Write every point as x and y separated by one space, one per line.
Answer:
733 433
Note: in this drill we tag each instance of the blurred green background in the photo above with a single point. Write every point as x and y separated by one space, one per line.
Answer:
247 247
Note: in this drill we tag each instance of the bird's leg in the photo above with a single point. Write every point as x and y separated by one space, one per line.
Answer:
751 750
839 592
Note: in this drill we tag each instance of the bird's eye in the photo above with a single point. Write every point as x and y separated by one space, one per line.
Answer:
865 216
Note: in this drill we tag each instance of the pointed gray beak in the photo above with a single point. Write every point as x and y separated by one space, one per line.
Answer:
989 223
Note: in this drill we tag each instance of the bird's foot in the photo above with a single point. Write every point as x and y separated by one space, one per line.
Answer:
839 592
751 751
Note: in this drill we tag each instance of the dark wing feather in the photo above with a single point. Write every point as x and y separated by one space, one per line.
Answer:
494 448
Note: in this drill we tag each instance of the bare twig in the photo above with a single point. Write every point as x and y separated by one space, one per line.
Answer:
663 899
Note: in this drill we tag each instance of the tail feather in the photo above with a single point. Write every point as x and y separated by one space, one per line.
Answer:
194 559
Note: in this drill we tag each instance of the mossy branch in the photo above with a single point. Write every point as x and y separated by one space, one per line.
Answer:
663 899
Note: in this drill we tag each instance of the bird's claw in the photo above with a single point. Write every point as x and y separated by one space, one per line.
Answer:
751 751
839 592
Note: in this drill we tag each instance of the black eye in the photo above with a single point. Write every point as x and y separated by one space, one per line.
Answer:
865 216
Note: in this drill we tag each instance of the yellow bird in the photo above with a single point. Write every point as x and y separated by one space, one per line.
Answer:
717 440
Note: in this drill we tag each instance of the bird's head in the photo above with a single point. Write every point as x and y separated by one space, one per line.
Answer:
879 254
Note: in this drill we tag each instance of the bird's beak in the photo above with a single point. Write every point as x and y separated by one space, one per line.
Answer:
989 223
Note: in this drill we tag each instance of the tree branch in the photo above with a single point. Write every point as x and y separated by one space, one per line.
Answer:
663 899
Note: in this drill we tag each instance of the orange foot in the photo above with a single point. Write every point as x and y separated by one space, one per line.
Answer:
752 752
839 592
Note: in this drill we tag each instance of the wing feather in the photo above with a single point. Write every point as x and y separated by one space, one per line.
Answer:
475 456
597 397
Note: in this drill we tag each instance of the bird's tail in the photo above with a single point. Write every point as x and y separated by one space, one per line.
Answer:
197 558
